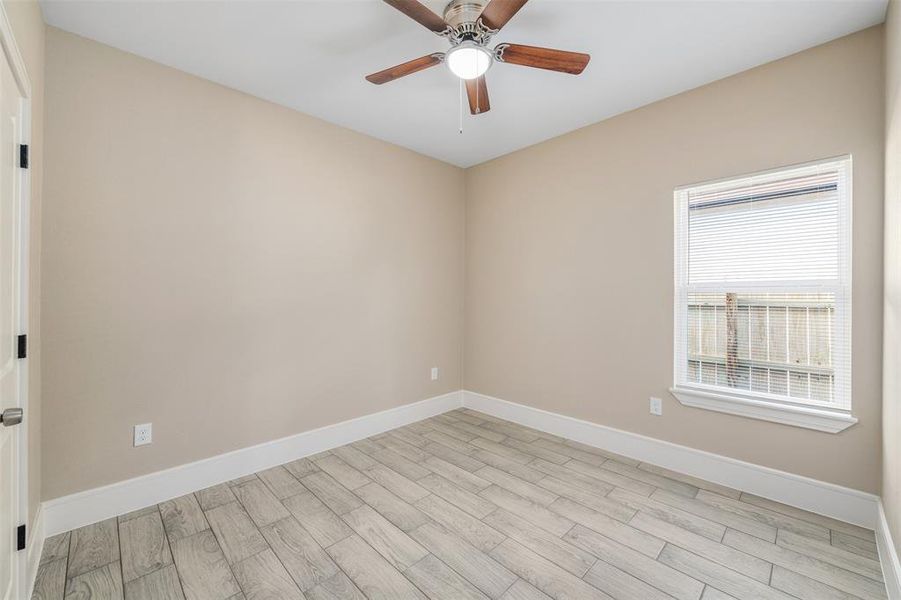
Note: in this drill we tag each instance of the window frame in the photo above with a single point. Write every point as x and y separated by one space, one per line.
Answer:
809 414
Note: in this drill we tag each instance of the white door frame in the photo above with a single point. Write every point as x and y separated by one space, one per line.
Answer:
10 53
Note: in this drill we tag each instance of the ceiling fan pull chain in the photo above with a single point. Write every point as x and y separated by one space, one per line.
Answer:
478 103
461 107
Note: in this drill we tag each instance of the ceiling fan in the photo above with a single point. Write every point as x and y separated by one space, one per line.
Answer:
469 25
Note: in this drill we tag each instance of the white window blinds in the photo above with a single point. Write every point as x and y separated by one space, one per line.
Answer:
763 285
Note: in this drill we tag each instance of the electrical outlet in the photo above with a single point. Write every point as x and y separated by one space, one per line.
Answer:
656 406
434 373
143 434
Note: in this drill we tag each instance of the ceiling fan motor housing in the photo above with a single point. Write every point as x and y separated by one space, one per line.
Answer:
464 22
458 12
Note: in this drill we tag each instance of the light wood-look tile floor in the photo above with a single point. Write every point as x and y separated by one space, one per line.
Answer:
464 506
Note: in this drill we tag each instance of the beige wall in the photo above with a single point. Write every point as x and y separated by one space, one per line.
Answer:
209 265
569 245
227 269
27 24
891 382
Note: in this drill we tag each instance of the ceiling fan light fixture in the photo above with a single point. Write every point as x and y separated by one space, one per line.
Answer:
468 60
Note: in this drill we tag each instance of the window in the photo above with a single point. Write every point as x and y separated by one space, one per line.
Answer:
763 295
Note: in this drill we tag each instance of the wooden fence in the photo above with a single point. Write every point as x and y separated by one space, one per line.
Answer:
777 343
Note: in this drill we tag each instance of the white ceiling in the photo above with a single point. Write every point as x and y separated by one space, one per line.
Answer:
312 55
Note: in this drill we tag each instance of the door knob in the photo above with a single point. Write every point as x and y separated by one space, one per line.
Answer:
11 416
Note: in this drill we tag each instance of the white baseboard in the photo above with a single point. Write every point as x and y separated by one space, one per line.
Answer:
845 504
35 546
83 508
888 556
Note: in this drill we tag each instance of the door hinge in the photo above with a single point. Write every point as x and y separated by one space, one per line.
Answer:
23 346
23 156
20 537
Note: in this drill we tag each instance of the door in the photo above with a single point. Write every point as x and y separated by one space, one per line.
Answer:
11 324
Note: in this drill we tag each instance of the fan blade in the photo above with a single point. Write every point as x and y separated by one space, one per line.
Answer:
543 58
407 68
419 13
498 12
477 91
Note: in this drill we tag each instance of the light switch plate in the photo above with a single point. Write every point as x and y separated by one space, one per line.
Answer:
434 373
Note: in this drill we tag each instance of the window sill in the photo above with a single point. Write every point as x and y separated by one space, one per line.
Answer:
808 417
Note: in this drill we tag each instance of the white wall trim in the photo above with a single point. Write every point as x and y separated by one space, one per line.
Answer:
888 557
83 508
35 547
845 504
12 55
76 510
809 417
